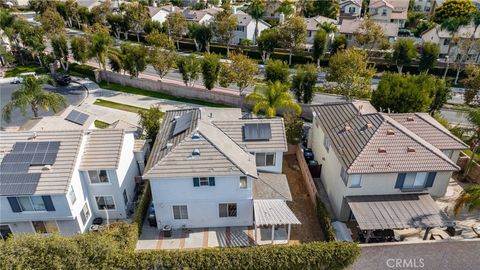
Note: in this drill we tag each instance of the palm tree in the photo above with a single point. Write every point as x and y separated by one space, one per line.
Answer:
469 199
256 10
32 94
271 97
330 29
452 25
474 118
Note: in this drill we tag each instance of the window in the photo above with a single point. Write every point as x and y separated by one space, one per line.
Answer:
45 226
384 12
32 203
326 143
446 42
203 181
227 210
85 214
355 180
344 175
125 197
180 212
243 182
415 180
309 33
71 195
265 159
105 202
448 153
5 232
351 9
240 28
97 177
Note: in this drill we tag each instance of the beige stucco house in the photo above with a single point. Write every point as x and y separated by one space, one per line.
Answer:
394 11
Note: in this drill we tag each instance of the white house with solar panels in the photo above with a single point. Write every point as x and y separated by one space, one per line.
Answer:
215 168
60 180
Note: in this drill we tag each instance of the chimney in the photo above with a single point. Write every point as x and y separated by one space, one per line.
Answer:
390 132
382 150
281 19
410 149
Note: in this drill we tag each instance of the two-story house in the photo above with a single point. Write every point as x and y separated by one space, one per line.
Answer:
313 24
424 6
59 180
350 27
376 163
246 27
394 11
213 168
350 9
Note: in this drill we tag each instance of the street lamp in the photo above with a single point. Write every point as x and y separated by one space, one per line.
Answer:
446 69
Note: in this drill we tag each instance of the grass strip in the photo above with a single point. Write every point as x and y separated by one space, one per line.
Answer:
101 124
118 106
13 72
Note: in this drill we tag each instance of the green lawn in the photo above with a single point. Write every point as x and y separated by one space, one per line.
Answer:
142 92
22 69
101 124
468 152
118 106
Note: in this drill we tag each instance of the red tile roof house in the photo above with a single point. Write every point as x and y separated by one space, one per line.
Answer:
383 169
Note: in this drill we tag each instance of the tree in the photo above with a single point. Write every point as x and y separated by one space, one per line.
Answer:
429 56
286 7
150 121
453 9
339 43
293 35
351 74
293 128
241 71
39 6
134 58
136 15
32 40
469 199
159 40
176 25
151 25
404 52
116 60
223 26
100 45
190 68
162 60
71 13
256 10
60 50
271 97
210 70
326 8
277 70
452 25
474 118
201 34
79 48
98 13
116 22
31 94
370 36
267 42
441 93
471 83
303 82
462 52
319 45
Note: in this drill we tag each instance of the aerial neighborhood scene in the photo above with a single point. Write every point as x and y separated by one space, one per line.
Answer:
240 134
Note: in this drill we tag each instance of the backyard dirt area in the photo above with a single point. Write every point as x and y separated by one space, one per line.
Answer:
301 205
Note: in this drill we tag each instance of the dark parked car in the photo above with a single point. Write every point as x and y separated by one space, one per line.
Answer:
63 79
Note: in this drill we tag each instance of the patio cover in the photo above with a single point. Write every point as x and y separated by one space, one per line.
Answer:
273 212
379 212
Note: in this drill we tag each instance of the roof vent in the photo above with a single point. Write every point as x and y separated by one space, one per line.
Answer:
390 132
348 128
47 168
382 150
34 136
410 150
169 146
196 152
195 136
410 119
369 125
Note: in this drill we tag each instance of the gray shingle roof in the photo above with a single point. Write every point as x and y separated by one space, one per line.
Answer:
367 142
271 186
103 149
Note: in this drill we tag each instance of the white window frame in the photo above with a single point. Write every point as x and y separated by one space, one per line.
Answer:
182 211
46 231
86 213
31 204
70 194
354 177
264 163
98 176
104 196
245 180
228 213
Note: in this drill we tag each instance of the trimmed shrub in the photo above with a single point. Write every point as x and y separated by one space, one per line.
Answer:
325 221
142 207
84 70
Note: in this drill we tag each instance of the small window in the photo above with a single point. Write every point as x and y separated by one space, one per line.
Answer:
203 181
355 180
85 214
180 212
351 9
384 12
125 197
309 33
243 182
265 159
326 143
97 177
240 28
105 202
71 195
448 153
45 226
446 42
227 210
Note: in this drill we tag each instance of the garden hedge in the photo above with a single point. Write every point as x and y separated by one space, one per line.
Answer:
325 221
85 70
142 207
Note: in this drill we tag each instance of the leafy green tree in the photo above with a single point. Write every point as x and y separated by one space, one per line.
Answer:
60 50
159 40
134 58
277 70
32 38
201 34
326 8
350 71
256 10
116 22
453 9
136 15
429 56
150 121
71 13
210 70
339 43
471 83
240 71
190 68
319 45
293 128
267 42
474 118
452 25
176 25
116 60
79 47
162 60
370 36
404 52
271 97
100 45
441 93
303 82
469 199
98 13
151 25
31 95
293 35
39 6
286 7
223 26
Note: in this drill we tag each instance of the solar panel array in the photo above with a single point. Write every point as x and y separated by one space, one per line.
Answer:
77 117
257 132
182 123
14 176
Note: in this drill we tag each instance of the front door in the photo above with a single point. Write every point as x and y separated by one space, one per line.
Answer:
4 231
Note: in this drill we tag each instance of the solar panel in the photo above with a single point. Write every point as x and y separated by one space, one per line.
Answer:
77 117
19 146
257 132
14 167
182 123
18 184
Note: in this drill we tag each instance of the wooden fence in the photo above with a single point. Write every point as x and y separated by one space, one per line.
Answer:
307 177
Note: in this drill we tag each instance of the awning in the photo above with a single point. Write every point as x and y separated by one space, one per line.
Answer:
379 212
273 212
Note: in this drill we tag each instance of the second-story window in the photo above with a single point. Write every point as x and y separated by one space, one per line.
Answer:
243 182
105 202
240 28
351 9
85 214
384 12
31 203
203 181
71 195
98 177
355 180
265 159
